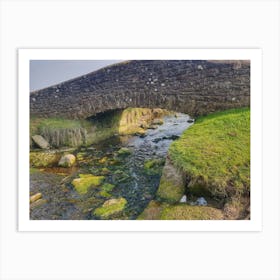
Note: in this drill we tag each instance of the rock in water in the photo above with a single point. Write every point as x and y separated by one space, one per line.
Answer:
35 197
110 208
41 142
201 201
67 160
37 203
183 199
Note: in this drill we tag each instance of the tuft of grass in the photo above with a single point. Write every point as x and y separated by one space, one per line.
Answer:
59 123
85 181
215 153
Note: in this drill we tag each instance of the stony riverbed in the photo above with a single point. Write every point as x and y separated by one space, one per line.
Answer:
128 166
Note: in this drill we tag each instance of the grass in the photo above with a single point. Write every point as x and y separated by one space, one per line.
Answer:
36 124
215 153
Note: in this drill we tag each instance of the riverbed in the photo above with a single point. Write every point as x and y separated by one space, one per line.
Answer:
133 174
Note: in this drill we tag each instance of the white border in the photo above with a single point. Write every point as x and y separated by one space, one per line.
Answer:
25 55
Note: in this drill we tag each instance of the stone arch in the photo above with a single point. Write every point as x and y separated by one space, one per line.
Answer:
196 87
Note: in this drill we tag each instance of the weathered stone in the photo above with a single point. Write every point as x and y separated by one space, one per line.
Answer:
37 203
44 158
85 181
195 87
183 199
35 197
40 142
172 183
67 160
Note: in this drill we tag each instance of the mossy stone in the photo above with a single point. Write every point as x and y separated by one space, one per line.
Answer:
107 187
44 159
124 152
110 207
152 211
172 183
154 166
85 181
187 212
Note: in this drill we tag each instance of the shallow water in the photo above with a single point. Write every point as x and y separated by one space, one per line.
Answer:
134 182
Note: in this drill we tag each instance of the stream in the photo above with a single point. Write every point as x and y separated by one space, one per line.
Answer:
130 173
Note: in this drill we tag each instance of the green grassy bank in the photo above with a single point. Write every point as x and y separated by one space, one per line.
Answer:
215 154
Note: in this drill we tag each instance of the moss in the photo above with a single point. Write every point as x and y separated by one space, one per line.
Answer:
124 152
154 166
105 171
215 152
33 170
110 207
85 181
44 159
105 194
152 211
187 212
170 192
107 187
163 211
80 156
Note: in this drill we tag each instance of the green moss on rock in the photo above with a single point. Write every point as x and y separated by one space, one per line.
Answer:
152 211
110 207
187 212
44 159
172 183
85 181
105 194
107 187
124 152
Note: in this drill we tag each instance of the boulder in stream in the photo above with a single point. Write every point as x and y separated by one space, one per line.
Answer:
41 142
110 208
172 183
67 160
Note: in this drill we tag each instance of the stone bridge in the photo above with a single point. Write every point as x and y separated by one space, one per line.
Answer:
195 87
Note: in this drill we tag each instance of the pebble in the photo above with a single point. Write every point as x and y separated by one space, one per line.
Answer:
201 201
183 199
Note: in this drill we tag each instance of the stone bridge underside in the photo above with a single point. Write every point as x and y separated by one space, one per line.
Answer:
195 87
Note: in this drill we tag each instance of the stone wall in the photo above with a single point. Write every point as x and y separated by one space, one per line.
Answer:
195 87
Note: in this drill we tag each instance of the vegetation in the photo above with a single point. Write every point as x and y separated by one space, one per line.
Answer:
110 207
187 212
124 152
163 211
169 191
215 153
153 166
67 132
44 159
85 181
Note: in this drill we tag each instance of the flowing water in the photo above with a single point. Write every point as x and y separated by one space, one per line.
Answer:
130 173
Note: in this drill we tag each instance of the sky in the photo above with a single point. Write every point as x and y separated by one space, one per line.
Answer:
44 73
